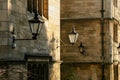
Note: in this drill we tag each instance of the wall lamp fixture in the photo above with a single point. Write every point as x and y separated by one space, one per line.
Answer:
73 36
35 26
118 48
81 49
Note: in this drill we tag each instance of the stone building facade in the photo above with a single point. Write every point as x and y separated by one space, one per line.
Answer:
97 23
31 59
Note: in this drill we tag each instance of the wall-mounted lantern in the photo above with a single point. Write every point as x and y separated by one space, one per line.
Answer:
118 48
35 26
81 48
73 36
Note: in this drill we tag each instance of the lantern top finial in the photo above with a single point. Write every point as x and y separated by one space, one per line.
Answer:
73 30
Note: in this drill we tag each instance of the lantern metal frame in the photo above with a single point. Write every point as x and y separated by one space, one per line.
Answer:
34 21
73 36
34 34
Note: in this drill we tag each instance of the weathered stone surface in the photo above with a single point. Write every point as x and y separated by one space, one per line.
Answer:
83 8
13 13
86 16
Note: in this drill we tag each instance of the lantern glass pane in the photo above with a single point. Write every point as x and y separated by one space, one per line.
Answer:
39 28
76 37
34 27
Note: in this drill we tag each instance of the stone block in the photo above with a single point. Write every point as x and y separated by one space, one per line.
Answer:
3 15
3 41
4 26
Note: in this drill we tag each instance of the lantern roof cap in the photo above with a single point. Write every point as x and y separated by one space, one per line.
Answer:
73 30
36 19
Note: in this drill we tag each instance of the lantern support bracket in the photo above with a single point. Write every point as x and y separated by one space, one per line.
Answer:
35 25
15 39
81 47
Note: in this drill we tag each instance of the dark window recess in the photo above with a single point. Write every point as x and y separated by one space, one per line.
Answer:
115 33
30 5
37 71
34 6
41 6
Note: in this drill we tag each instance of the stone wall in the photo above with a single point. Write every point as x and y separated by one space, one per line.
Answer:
85 15
83 72
4 28
84 8
115 12
89 34
48 39
80 9
14 14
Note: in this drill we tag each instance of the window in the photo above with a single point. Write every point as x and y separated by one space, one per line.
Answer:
37 71
115 33
115 3
41 6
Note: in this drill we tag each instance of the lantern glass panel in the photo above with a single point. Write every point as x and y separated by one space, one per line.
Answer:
35 28
73 38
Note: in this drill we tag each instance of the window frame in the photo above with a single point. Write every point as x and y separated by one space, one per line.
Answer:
41 7
39 59
38 70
